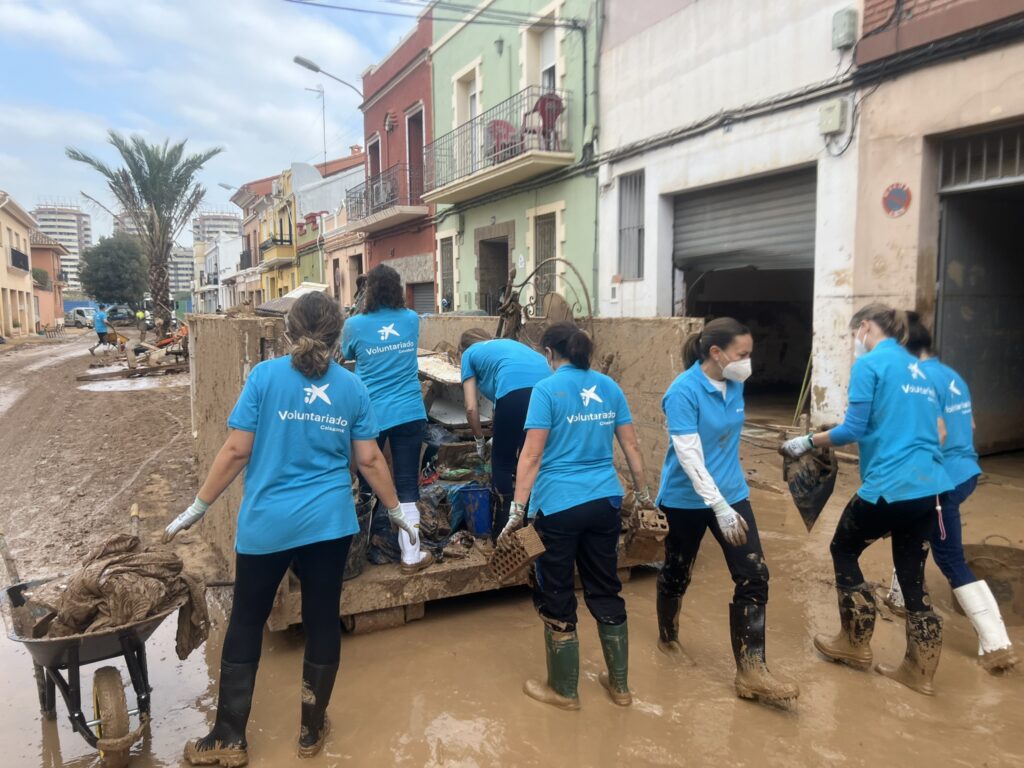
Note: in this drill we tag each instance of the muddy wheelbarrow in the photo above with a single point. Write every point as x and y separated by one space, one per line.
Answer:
109 730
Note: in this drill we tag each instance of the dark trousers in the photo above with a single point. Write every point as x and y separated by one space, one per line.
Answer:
686 529
949 551
319 567
909 522
584 537
406 446
509 436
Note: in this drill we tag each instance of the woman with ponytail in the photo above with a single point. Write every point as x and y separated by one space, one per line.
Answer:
566 473
703 487
893 416
297 426
383 339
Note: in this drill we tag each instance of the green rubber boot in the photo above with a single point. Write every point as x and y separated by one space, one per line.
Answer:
563 657
615 644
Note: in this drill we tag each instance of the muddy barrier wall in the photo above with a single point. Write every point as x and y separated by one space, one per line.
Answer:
642 354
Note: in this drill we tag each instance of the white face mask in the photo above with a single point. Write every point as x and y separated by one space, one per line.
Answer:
738 370
859 347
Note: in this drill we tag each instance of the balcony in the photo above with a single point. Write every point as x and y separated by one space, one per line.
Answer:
277 252
520 138
19 260
245 259
386 200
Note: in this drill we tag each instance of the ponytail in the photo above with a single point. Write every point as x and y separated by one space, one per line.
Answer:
720 333
570 343
892 322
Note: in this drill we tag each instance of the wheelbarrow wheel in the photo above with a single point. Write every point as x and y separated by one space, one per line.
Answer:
111 709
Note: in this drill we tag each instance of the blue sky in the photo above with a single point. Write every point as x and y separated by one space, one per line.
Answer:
217 72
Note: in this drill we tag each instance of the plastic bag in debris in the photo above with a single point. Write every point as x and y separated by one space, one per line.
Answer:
435 514
384 546
811 480
434 436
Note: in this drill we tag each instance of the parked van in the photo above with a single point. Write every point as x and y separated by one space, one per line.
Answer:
80 317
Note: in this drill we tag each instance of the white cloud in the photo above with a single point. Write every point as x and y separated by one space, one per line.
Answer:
58 28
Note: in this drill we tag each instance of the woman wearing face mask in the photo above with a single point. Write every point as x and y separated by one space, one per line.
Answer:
567 474
892 416
702 487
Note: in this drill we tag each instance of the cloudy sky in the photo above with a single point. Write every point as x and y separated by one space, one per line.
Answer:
215 72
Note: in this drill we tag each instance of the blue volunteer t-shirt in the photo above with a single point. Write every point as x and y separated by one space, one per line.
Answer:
297 485
502 366
900 457
693 405
384 344
580 409
958 454
99 320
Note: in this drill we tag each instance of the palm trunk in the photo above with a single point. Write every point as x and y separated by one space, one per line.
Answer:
159 283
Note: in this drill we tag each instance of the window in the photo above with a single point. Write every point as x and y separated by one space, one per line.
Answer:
447 275
547 59
544 248
631 226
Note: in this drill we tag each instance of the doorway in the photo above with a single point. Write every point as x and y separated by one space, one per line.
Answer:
355 269
980 317
492 274
414 138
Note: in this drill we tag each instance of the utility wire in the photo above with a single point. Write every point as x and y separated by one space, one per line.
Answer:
492 13
395 14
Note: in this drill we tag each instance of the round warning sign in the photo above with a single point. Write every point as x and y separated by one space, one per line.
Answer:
896 200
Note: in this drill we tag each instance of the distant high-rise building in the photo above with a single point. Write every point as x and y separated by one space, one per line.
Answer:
181 270
206 225
124 223
71 227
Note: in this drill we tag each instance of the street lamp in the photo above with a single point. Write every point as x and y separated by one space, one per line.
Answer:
228 187
314 67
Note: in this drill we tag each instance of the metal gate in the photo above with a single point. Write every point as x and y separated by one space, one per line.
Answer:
544 234
767 223
422 297
447 275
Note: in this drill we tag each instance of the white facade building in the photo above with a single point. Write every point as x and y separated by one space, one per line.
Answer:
181 270
221 262
719 195
71 227
206 225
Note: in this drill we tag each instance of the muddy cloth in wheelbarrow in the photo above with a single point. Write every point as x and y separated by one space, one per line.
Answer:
121 583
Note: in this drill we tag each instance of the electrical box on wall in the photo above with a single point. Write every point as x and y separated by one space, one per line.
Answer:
844 29
832 117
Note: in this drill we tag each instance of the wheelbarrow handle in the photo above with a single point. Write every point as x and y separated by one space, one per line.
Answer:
9 564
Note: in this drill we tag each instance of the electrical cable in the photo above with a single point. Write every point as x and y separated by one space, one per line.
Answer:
394 14
492 13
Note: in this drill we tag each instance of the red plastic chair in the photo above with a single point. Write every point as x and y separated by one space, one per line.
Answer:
550 107
502 140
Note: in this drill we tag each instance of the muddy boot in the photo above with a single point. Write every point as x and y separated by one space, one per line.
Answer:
668 628
995 651
225 745
852 646
317 684
563 658
615 644
924 645
753 680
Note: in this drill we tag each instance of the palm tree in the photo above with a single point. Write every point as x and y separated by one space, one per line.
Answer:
157 190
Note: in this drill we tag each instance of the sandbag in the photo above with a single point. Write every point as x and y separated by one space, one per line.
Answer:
811 480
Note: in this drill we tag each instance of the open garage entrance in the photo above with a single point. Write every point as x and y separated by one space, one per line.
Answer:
746 250
980 317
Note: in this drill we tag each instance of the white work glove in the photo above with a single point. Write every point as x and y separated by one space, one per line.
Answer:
186 519
516 513
797 446
481 447
398 518
732 526
643 498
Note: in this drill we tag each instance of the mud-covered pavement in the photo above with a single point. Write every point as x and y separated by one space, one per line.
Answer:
445 691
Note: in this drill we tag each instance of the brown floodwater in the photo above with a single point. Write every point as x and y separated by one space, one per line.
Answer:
446 690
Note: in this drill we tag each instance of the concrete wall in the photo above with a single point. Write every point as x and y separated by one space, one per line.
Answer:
688 66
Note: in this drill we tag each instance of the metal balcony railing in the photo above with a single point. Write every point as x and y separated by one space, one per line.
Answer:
270 242
400 184
19 260
534 119
245 259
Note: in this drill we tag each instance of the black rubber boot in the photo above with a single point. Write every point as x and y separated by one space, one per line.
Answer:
852 645
924 646
668 627
225 745
753 680
317 684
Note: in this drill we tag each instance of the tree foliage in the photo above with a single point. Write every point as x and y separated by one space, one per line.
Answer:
157 189
115 270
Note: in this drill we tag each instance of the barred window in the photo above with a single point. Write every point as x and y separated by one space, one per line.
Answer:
447 303
631 226
544 234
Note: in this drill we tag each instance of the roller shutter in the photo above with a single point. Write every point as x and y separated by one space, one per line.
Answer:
422 297
767 223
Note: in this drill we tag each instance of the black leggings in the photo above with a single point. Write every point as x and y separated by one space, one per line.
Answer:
746 563
509 435
909 522
319 567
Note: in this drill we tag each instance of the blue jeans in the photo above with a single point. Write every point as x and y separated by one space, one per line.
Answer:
949 552
406 445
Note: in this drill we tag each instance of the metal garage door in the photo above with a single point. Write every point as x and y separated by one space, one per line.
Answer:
422 297
766 222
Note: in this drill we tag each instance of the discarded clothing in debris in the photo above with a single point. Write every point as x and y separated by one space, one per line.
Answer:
120 583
